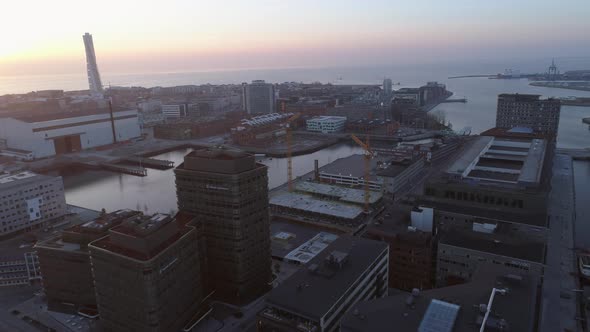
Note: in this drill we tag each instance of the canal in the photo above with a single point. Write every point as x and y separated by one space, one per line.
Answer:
157 193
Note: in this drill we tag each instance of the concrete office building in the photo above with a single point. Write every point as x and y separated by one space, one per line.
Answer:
65 262
496 300
348 271
29 200
228 193
460 253
326 124
94 81
387 86
530 111
66 132
259 97
146 275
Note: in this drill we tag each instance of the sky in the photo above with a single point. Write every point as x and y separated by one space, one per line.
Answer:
45 37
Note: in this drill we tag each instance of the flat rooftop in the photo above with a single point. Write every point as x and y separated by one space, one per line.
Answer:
312 294
23 178
327 118
497 244
411 313
288 239
503 160
342 194
306 202
354 166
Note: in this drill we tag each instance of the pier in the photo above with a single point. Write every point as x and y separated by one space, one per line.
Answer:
576 154
460 100
148 162
131 170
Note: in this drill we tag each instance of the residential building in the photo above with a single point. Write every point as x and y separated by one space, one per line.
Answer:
46 135
173 111
19 270
65 262
146 275
29 200
227 190
326 124
348 271
488 303
259 97
94 81
522 110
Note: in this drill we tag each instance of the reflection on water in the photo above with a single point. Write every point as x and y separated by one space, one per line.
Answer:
157 192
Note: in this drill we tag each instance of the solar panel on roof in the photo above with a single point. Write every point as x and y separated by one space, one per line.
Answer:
440 316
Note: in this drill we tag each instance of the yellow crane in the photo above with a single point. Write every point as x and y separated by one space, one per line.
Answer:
290 150
368 155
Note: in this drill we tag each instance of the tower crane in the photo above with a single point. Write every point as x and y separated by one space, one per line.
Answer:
368 155
290 150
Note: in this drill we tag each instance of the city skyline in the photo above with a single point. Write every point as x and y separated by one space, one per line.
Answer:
210 36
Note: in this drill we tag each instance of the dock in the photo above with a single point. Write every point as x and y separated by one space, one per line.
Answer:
148 162
460 100
576 154
131 170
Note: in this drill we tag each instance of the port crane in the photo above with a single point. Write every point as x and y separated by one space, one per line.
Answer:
369 154
290 150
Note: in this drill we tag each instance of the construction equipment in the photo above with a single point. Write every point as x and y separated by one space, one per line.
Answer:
290 150
369 154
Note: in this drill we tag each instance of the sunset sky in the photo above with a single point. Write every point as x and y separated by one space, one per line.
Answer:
45 37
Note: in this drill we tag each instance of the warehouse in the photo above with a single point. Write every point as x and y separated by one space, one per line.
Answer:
46 135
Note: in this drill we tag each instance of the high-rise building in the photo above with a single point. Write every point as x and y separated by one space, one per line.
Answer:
518 110
94 81
65 262
146 275
228 192
387 86
29 201
259 97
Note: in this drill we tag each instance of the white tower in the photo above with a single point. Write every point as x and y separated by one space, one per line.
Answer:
94 81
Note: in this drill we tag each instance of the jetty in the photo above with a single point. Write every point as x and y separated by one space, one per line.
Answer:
148 162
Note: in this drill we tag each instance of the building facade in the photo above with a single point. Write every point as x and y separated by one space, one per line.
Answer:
326 124
65 262
67 132
29 200
315 298
259 97
94 81
228 193
530 111
146 275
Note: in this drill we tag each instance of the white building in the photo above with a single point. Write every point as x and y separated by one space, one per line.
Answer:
65 132
94 82
326 124
28 200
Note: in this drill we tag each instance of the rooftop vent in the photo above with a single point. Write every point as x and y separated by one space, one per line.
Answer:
336 259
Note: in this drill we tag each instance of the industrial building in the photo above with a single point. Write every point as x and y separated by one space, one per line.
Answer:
326 124
260 129
258 97
496 300
65 262
324 203
29 200
490 206
46 135
460 253
146 275
228 193
348 271
530 111
385 176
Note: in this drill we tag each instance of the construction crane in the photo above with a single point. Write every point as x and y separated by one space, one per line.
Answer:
369 154
290 150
